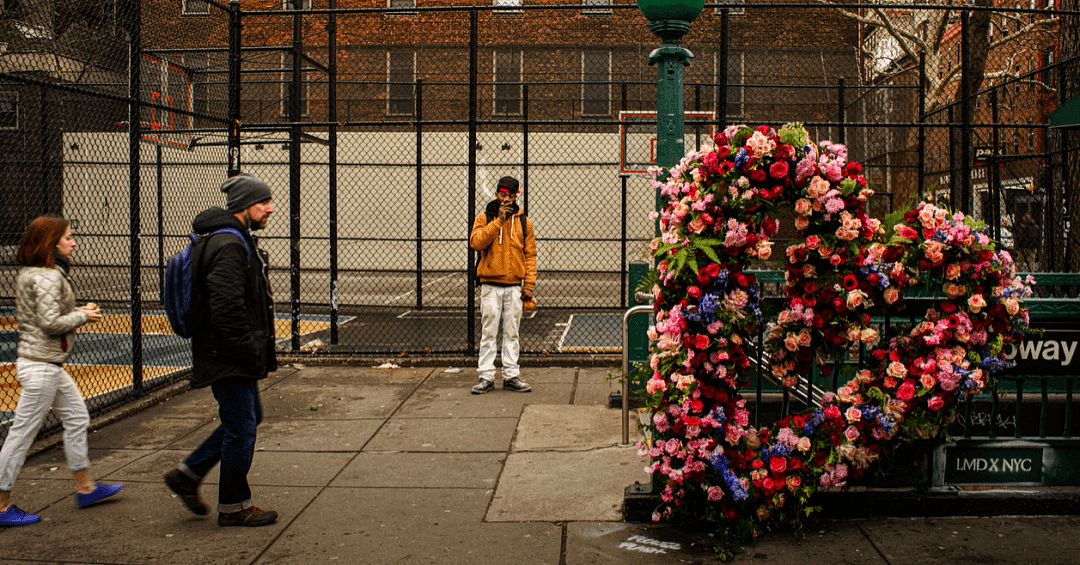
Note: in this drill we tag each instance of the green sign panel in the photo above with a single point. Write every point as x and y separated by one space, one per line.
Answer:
992 465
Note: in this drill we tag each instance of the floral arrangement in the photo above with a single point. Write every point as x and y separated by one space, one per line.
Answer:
719 213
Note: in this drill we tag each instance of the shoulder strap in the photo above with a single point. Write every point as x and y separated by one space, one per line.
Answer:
235 232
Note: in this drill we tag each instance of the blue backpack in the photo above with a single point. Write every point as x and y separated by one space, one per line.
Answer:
178 296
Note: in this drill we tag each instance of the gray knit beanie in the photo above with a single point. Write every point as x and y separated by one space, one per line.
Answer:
244 191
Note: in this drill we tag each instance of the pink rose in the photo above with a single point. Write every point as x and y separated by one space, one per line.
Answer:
803 206
935 403
851 433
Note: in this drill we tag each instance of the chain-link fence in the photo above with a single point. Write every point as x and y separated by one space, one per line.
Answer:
383 130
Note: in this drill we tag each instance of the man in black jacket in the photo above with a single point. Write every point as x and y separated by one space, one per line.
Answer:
232 349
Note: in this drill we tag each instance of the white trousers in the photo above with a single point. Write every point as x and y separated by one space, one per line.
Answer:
44 386
500 304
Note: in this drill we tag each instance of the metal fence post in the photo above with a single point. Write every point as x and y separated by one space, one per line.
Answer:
722 72
331 32
295 135
469 289
965 115
525 148
623 274
234 90
419 196
842 113
134 140
922 124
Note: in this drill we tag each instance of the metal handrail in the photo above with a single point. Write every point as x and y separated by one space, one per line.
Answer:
640 297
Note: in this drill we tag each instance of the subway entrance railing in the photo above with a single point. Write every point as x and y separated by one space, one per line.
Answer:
1018 433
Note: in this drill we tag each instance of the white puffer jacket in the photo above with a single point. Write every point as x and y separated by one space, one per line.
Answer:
47 315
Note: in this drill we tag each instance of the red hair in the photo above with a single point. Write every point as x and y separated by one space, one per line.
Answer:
40 241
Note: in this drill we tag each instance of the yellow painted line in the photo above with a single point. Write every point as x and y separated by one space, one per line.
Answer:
159 325
92 380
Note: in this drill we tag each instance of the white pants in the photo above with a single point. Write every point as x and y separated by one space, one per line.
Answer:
44 386
500 303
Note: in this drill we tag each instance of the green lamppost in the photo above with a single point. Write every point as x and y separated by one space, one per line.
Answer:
670 20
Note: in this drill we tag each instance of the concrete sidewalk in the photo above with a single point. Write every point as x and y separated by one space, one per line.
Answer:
406 466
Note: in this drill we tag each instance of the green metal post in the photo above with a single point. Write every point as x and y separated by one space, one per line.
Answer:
670 21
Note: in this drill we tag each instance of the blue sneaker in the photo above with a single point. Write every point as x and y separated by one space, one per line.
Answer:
100 493
15 517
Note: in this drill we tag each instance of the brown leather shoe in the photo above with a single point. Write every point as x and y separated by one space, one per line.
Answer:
188 491
252 517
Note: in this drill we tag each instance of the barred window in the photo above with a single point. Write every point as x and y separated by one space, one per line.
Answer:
596 6
507 4
9 110
401 74
736 95
287 84
195 8
507 89
401 4
596 76
733 10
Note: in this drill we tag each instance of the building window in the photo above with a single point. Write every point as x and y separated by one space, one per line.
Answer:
296 4
596 6
596 90
287 83
402 4
195 8
9 110
401 73
508 83
736 95
733 10
507 4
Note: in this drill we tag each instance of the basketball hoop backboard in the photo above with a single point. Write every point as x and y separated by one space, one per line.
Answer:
167 87
637 137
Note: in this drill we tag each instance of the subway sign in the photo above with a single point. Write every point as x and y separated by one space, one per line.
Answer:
1054 353
989 465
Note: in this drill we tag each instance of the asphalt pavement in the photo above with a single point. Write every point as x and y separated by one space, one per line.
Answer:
405 466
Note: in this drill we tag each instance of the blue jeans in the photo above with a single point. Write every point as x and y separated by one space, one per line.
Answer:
232 443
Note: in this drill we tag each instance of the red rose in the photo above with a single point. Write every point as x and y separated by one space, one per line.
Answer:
720 140
948 307
758 176
810 287
701 342
764 130
777 465
757 463
853 168
779 170
694 292
711 162
742 280
906 391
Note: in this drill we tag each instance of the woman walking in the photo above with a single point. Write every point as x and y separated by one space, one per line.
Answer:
48 319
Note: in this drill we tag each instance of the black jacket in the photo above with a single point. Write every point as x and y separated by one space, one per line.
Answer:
234 316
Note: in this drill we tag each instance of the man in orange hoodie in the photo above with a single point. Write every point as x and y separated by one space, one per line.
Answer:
507 271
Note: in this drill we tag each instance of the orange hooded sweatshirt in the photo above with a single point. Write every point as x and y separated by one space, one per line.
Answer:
507 250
